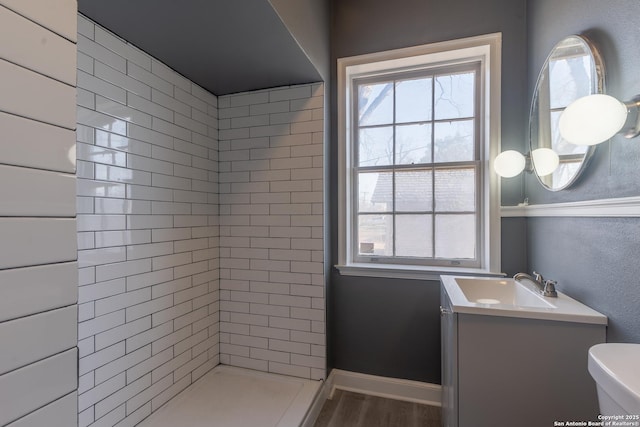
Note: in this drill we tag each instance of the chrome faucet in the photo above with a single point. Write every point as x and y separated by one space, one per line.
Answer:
546 287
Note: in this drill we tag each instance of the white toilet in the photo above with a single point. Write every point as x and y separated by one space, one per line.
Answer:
616 369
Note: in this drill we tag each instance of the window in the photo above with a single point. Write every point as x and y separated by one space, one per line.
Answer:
417 128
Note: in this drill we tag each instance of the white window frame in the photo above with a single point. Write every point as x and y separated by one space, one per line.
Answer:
487 50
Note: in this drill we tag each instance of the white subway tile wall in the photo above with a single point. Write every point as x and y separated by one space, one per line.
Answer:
148 232
38 268
272 309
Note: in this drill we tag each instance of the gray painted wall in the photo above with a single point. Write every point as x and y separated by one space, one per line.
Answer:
514 245
223 46
308 23
595 260
391 327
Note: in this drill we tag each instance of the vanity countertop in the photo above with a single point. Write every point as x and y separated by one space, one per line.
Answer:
499 296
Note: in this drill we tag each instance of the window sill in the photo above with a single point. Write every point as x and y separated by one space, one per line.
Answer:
409 272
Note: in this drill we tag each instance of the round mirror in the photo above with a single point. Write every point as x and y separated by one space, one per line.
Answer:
572 70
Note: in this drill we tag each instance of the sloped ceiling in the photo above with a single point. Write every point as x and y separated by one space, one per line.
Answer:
225 46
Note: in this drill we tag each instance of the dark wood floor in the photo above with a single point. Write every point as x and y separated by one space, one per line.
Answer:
348 409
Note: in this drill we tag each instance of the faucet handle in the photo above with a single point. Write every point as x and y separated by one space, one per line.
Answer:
550 288
538 277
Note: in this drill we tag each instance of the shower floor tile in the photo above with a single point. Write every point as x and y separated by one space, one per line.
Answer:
235 397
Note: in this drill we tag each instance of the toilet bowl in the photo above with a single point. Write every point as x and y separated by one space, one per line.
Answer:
615 367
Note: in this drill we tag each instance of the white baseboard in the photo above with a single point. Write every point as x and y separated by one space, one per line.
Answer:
391 388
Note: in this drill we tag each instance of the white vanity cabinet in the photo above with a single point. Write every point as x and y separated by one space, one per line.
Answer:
449 358
500 370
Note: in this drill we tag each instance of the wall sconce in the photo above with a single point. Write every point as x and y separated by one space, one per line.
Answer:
593 119
511 163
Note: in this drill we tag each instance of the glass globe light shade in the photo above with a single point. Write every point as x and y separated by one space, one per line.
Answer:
71 155
545 161
592 119
509 163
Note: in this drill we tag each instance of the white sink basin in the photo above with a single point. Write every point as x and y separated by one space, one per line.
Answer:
500 296
501 291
